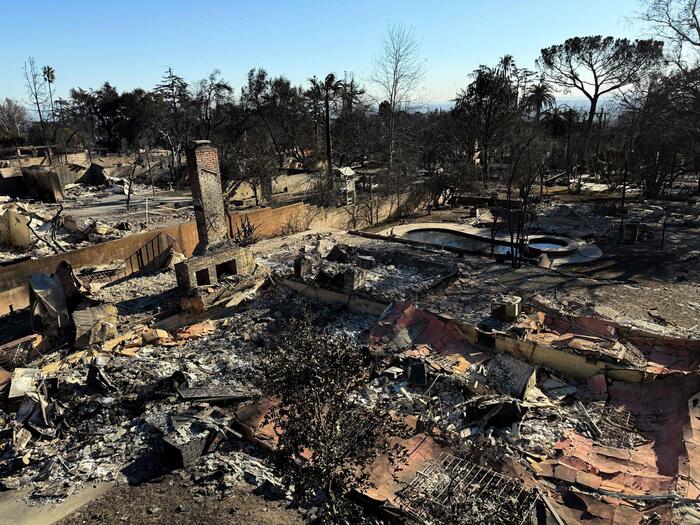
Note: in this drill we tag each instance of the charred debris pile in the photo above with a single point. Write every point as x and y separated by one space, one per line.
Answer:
529 413
513 409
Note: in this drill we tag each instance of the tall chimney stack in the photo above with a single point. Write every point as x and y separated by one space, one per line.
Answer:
208 199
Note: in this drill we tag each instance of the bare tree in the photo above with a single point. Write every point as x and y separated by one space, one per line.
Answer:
671 102
529 161
36 89
130 186
398 70
678 23
255 163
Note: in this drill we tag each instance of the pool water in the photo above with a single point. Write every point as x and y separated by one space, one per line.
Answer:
452 240
455 240
544 245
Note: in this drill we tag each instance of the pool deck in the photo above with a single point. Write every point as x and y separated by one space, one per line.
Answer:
586 252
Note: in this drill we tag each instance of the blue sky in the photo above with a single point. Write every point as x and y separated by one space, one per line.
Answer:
130 43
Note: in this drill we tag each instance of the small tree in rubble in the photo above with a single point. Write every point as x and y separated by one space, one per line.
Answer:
327 440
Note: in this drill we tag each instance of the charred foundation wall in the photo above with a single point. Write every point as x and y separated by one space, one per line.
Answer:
14 292
270 222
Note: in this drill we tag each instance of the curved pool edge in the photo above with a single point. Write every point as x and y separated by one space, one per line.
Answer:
585 252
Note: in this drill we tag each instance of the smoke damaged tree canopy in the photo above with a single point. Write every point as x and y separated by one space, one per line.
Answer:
282 110
13 121
486 108
270 124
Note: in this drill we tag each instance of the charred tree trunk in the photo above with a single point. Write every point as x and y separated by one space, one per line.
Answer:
329 151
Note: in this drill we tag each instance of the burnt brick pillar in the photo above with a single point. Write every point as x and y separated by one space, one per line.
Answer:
208 199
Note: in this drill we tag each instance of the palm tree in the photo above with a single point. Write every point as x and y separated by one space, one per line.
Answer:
563 120
50 77
506 64
554 120
539 96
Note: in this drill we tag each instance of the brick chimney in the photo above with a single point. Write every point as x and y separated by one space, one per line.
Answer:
208 199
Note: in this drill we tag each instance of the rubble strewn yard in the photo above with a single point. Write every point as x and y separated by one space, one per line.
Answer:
565 394
371 298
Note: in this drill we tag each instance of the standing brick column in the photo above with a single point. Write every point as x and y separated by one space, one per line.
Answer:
208 199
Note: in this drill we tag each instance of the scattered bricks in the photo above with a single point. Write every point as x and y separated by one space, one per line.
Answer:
366 262
353 279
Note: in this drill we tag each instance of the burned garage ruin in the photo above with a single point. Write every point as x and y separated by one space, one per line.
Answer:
334 298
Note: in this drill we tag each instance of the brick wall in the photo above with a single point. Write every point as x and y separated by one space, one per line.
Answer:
273 221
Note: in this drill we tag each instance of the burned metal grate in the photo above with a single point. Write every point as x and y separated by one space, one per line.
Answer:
455 489
618 427
19 353
146 260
